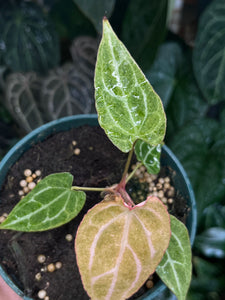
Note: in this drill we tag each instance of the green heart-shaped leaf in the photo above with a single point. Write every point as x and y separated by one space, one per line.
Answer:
149 156
50 204
175 269
128 108
117 248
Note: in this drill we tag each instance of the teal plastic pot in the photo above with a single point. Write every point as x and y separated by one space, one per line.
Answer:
180 179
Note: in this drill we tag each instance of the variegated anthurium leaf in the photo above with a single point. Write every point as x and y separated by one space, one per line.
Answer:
148 155
175 269
67 91
117 248
50 204
127 106
22 98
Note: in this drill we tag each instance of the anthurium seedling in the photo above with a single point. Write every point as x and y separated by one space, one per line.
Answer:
118 244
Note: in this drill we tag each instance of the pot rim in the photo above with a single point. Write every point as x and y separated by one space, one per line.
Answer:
19 148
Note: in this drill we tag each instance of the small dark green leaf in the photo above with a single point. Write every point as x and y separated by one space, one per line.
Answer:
162 74
209 52
211 242
175 269
30 42
95 10
50 204
128 108
144 28
149 156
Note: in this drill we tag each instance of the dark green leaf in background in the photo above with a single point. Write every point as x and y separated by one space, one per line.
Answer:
213 216
210 184
28 39
22 98
186 104
69 21
50 204
95 10
211 242
144 28
219 146
191 144
209 52
208 280
162 74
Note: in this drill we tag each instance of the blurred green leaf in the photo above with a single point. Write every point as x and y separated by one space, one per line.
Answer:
28 39
163 71
144 29
207 281
186 104
219 146
210 184
209 52
22 98
95 10
70 21
211 242
213 216
190 144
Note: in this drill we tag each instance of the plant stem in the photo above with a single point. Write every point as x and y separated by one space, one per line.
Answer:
91 189
127 164
132 173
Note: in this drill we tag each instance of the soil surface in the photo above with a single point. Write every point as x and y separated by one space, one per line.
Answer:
99 164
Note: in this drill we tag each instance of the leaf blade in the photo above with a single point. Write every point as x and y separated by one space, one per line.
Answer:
127 106
149 156
50 204
109 249
178 280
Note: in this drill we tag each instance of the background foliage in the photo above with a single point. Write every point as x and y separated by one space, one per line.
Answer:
48 73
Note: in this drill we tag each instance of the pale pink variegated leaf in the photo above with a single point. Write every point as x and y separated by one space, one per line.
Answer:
117 247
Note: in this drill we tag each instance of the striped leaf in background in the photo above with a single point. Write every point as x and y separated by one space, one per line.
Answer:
209 52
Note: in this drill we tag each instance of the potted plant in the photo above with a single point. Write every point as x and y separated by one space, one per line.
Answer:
118 244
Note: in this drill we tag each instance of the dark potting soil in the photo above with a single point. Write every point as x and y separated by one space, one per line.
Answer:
99 164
